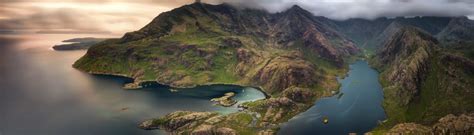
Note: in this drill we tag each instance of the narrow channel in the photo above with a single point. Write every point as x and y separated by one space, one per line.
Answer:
357 108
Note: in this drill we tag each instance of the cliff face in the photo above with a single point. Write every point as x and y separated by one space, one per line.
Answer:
422 81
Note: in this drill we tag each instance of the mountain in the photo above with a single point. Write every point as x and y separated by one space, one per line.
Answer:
458 36
459 30
290 55
294 57
199 44
404 60
422 82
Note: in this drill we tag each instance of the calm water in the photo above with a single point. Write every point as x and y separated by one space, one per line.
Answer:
358 110
41 94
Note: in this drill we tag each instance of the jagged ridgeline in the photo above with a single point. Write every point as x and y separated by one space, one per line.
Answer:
200 44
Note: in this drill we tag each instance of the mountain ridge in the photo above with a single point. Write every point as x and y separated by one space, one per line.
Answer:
293 56
422 82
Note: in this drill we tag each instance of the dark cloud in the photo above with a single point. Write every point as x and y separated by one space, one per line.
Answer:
369 9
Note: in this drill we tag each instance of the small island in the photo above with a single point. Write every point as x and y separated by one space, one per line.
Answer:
225 100
78 43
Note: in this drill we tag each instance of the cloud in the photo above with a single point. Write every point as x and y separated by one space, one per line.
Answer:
120 16
96 16
368 9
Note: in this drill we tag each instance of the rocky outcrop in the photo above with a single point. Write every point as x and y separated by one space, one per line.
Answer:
450 124
225 100
132 86
177 121
285 71
200 123
276 109
280 102
409 128
212 130
299 94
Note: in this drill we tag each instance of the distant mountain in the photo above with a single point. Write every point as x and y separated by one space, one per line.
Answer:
458 36
460 30
77 43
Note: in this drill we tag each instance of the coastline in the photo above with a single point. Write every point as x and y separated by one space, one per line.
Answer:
272 127
140 82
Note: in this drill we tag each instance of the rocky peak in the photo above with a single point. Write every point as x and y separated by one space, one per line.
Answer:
297 9
297 13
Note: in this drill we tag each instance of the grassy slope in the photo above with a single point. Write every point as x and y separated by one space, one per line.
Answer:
148 49
435 100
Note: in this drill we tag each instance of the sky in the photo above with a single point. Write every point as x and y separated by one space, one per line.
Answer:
120 16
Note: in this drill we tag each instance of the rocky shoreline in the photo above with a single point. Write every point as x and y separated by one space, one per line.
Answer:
271 111
262 117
